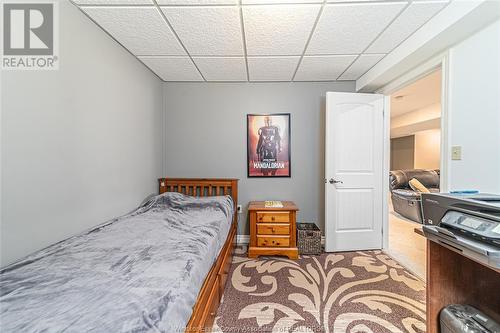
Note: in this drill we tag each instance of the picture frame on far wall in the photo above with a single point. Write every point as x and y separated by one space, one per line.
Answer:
268 145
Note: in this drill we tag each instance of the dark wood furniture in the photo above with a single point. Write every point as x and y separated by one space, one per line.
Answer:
453 278
273 230
209 297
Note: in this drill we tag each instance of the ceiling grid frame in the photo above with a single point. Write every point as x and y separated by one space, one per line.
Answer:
245 50
309 39
113 38
385 29
177 36
373 41
240 4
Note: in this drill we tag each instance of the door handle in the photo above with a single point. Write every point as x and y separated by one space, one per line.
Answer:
334 181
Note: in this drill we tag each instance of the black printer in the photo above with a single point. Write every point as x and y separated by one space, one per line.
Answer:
466 223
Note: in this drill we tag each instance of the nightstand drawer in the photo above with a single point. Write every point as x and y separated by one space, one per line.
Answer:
273 241
278 217
273 229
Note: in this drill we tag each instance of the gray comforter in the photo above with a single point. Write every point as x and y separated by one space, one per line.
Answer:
138 273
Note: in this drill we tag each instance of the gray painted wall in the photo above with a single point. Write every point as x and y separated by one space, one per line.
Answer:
205 133
79 145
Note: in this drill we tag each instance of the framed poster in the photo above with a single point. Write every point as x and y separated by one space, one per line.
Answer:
268 145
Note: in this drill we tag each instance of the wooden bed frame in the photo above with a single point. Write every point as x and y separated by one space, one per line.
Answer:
209 297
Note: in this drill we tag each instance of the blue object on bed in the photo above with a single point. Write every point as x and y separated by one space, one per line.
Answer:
138 273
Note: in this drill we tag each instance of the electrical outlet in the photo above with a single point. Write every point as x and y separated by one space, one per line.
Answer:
238 209
456 153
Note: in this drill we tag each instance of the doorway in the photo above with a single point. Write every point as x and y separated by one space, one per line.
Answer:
415 154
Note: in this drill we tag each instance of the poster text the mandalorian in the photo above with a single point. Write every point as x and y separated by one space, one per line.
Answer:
268 145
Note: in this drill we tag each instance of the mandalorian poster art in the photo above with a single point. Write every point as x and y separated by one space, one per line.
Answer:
268 145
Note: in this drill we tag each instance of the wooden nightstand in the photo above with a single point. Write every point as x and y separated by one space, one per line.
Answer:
273 230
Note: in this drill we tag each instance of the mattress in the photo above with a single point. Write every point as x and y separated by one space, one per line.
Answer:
138 273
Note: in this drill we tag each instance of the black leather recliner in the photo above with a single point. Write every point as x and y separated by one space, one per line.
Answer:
406 201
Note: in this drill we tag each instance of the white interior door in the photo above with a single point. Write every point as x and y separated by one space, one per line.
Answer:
354 171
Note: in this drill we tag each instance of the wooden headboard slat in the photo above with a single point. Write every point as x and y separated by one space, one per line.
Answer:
207 187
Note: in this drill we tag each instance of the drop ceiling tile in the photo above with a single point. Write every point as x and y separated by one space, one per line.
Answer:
267 2
207 30
323 68
114 2
361 66
197 2
141 30
278 30
416 15
173 68
222 68
350 28
272 68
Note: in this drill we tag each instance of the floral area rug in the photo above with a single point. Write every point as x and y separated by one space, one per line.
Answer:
335 292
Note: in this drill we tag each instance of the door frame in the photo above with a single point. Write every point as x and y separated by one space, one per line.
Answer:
442 61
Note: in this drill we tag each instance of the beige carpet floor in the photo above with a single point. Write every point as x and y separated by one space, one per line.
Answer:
342 292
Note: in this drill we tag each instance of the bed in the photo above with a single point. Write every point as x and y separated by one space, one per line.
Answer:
161 268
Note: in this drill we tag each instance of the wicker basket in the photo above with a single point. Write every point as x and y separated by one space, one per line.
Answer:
308 238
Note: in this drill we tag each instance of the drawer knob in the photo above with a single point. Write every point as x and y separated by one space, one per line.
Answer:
272 218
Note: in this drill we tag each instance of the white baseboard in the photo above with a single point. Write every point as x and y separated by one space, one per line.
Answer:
242 239
245 239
